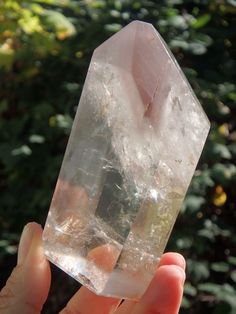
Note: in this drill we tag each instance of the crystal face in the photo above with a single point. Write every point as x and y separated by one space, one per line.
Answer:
136 139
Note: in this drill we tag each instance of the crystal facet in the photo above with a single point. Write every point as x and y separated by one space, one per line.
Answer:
135 142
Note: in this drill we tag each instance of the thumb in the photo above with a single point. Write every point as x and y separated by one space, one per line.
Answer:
27 288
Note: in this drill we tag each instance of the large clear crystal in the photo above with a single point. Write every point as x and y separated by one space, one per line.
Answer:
135 142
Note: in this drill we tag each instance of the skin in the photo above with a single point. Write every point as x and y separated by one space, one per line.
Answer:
27 288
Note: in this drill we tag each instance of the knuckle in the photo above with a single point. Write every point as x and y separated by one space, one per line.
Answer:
8 290
12 280
11 294
8 293
6 296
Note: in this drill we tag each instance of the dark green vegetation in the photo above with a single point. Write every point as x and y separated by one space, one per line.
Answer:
45 48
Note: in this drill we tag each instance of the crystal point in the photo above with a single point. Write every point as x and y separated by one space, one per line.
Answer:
136 139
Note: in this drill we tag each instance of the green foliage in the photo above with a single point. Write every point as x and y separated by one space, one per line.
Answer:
45 48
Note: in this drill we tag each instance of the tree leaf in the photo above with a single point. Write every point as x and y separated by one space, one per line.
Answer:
190 289
220 267
233 275
193 203
22 150
201 21
210 288
59 23
37 139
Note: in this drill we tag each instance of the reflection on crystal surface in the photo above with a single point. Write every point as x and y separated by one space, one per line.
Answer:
135 142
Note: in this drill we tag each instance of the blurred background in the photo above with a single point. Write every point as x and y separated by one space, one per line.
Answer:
45 50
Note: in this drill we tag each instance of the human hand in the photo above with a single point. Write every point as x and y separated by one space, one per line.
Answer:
27 288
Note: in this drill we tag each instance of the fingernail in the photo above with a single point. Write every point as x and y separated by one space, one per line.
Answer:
182 274
182 261
25 242
35 254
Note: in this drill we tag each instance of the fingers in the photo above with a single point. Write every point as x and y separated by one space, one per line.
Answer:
164 294
173 259
27 288
85 301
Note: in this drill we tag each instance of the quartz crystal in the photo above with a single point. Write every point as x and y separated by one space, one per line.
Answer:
135 142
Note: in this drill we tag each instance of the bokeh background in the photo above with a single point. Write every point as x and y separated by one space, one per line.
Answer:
45 49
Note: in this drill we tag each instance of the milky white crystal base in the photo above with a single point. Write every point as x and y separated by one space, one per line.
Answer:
135 142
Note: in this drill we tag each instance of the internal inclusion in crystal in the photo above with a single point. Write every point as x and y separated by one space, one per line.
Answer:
135 142
118 205
138 259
